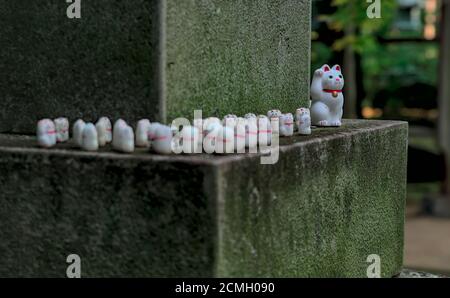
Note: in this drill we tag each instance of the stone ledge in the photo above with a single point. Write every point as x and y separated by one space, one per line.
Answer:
332 199
27 144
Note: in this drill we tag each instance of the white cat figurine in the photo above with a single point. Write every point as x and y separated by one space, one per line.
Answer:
326 95
190 136
78 132
303 121
250 116
89 138
251 132
264 131
162 139
274 116
229 120
46 133
211 129
104 131
225 140
287 125
240 135
62 129
123 137
142 128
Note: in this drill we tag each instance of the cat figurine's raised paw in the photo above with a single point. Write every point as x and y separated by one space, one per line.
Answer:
326 95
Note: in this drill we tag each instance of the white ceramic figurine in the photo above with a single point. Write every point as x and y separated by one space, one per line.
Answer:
274 113
142 128
225 140
198 123
240 135
152 131
46 133
287 125
303 121
123 137
78 132
211 128
251 133
229 120
186 140
250 116
326 95
89 138
274 116
162 139
62 129
104 131
264 131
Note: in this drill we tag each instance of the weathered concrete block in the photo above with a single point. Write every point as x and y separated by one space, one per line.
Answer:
332 199
101 64
159 59
237 56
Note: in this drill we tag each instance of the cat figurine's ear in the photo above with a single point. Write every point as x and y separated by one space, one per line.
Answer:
337 68
326 68
320 72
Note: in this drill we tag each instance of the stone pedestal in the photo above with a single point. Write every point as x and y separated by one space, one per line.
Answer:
332 199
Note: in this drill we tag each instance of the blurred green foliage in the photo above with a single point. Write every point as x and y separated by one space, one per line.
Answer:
354 13
385 66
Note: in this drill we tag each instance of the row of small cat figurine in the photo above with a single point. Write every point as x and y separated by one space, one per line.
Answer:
232 132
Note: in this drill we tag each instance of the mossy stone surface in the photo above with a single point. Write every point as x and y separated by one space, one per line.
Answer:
99 65
332 199
237 56
321 210
156 59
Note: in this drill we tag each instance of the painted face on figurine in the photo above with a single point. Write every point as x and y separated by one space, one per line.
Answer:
332 80
287 125
250 116
230 120
303 121
274 114
62 129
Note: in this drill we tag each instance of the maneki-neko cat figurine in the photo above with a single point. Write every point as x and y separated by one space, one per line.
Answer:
326 95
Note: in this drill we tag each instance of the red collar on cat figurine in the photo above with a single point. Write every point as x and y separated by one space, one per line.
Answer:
334 92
